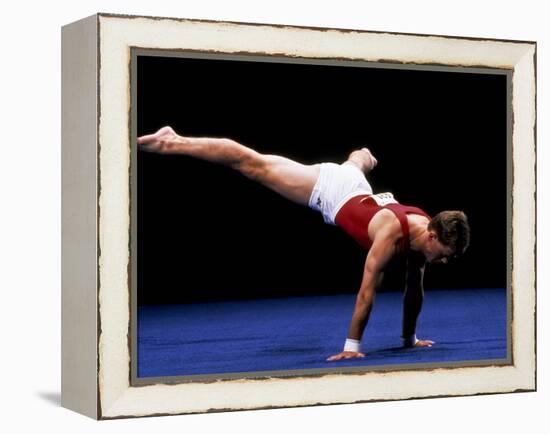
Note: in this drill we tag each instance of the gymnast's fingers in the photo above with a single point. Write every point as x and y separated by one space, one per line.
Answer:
345 355
424 343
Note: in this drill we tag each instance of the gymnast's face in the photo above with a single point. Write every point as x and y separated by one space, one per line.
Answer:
436 252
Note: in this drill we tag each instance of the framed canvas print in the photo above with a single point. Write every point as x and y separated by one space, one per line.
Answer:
260 216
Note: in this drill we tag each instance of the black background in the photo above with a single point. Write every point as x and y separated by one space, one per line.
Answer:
207 233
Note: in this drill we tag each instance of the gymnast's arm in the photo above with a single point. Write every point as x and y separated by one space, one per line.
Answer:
412 302
382 250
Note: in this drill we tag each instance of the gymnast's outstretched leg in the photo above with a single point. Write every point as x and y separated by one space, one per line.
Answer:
292 180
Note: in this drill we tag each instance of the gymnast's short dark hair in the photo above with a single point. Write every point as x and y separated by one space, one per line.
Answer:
452 230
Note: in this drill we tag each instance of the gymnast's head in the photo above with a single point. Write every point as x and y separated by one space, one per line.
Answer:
448 237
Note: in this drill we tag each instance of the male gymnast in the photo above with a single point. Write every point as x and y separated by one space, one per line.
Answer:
345 198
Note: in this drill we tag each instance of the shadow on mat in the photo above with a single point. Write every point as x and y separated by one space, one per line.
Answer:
405 352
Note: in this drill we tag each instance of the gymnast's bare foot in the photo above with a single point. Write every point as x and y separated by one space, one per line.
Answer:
371 164
161 141
363 159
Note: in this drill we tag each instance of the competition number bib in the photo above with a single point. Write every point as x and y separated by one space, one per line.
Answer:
383 199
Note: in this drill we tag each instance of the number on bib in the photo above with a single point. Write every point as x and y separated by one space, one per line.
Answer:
383 199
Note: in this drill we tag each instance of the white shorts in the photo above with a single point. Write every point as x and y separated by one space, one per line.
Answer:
336 184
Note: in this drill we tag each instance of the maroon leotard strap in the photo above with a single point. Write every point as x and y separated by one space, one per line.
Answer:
402 217
401 212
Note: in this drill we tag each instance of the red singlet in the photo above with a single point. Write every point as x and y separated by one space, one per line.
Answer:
355 215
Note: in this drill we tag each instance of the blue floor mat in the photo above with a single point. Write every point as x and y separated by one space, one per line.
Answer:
301 332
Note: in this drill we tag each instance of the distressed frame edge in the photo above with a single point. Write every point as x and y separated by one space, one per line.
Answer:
525 142
304 27
529 385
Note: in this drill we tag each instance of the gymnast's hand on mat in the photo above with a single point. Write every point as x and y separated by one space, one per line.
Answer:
424 343
161 141
345 355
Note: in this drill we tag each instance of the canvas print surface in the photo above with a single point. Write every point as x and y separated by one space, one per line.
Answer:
288 217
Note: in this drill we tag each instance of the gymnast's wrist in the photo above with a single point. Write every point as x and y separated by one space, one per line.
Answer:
352 345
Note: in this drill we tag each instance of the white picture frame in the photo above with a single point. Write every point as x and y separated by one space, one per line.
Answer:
96 246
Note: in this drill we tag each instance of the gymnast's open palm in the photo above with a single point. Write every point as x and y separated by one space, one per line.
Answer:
346 355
